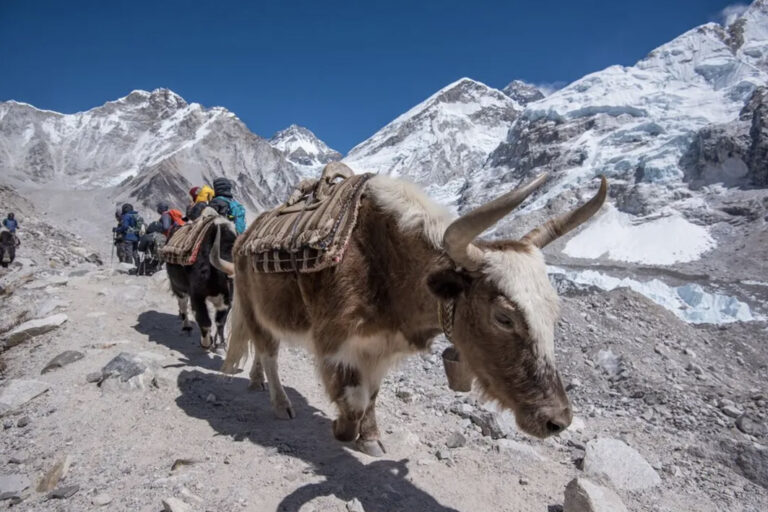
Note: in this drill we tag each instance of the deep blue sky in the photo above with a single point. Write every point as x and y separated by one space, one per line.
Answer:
343 69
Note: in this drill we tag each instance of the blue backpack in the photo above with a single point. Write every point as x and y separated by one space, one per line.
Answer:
236 213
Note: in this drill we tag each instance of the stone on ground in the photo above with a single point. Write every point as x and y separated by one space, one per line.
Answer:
620 465
62 360
582 495
13 484
54 475
18 392
175 505
33 328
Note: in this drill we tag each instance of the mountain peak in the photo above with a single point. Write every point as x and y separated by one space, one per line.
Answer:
522 92
302 147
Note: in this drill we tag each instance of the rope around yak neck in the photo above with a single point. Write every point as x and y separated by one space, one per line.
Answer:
445 311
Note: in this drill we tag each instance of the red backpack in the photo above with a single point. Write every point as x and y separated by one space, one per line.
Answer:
178 220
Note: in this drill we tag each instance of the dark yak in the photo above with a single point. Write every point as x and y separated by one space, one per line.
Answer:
7 248
201 281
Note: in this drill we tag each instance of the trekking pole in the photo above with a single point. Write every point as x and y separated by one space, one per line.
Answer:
112 253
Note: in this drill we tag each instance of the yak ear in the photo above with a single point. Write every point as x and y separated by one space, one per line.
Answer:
448 284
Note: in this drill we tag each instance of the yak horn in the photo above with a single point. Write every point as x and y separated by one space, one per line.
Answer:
215 257
458 238
557 227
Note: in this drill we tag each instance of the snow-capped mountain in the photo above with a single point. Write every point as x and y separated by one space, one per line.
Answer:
443 139
522 92
635 124
302 148
145 146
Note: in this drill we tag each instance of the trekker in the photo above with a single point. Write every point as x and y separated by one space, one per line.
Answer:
117 239
226 205
200 198
131 228
11 224
170 219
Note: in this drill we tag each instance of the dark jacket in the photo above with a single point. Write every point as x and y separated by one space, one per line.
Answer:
128 227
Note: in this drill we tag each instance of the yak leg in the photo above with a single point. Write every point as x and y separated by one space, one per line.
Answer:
346 388
258 380
281 404
184 313
203 320
222 310
354 391
370 438
266 349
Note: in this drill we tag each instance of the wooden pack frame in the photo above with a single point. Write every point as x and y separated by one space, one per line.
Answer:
310 232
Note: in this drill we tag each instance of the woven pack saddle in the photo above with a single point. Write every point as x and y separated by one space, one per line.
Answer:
311 230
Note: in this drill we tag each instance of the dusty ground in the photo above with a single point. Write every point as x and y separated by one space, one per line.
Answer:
664 394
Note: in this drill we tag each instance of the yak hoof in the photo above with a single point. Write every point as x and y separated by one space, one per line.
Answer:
372 447
285 412
258 386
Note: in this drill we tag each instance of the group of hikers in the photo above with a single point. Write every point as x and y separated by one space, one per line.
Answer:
139 245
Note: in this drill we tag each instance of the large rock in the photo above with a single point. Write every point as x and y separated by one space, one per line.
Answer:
752 460
17 392
614 462
581 495
33 328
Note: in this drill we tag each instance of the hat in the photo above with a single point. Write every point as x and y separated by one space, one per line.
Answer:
193 192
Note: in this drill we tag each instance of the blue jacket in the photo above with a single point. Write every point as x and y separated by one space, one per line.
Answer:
128 227
10 224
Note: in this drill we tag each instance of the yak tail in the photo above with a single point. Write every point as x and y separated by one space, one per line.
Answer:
238 345
215 256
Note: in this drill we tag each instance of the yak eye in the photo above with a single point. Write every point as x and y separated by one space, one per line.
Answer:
504 319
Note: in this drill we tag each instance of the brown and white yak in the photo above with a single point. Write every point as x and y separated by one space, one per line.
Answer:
406 258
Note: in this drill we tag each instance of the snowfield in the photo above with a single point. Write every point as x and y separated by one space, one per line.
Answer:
661 240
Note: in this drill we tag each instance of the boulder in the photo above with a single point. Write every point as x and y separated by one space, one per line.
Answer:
17 392
33 328
581 495
612 461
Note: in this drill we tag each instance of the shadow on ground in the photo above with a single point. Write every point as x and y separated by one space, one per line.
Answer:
165 329
380 485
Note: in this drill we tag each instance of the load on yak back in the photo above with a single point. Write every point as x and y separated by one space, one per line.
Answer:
149 247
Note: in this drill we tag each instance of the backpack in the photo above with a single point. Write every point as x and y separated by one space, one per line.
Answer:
177 217
138 225
236 213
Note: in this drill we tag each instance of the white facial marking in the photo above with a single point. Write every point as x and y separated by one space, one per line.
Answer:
522 277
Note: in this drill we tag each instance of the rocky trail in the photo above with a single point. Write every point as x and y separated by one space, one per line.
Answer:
106 404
